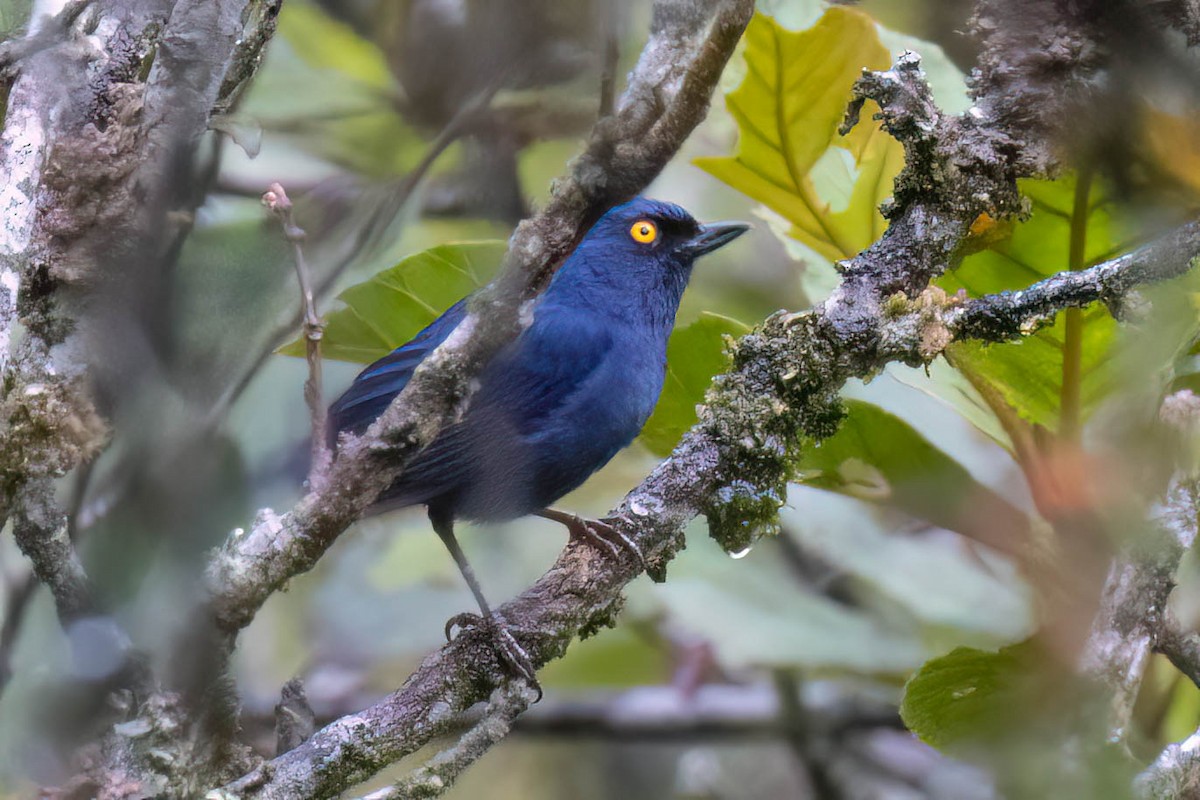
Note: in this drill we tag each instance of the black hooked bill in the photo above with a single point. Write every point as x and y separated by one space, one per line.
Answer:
714 235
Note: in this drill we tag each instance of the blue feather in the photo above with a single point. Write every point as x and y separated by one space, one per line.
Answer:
374 388
574 388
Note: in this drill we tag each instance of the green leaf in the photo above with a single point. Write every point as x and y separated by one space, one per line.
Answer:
1014 710
949 386
877 456
695 354
390 308
621 656
788 109
326 43
1028 374
960 595
970 695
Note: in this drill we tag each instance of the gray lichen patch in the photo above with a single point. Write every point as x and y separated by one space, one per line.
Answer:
47 427
89 193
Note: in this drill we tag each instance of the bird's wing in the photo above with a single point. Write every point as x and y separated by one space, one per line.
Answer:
544 369
522 391
375 386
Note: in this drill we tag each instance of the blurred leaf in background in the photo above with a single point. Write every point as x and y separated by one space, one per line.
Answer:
394 305
695 353
1014 708
876 456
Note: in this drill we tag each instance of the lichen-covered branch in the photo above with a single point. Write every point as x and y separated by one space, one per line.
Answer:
435 777
1008 315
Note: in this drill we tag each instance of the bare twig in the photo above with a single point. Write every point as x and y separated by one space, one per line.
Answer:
365 239
280 205
612 52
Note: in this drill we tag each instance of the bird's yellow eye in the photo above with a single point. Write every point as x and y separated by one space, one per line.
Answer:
644 231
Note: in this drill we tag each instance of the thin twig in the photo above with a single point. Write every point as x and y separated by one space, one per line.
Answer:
366 234
16 602
21 587
280 205
805 746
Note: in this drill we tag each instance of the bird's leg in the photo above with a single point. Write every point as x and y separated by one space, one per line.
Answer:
596 532
510 650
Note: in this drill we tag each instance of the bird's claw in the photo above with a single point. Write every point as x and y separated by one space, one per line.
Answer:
512 655
462 622
600 533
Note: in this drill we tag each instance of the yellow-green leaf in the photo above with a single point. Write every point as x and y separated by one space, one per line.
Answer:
391 307
788 109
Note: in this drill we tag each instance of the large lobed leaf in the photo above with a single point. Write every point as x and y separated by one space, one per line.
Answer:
788 109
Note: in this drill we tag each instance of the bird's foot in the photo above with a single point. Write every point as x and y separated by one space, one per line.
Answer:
600 533
512 655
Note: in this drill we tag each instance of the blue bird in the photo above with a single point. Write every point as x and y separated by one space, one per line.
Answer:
560 400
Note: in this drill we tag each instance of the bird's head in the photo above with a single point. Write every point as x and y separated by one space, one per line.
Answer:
644 248
657 231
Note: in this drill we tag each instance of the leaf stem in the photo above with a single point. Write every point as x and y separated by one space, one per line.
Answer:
1072 369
